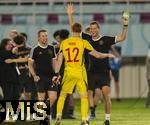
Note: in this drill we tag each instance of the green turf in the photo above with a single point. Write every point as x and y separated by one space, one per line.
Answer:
126 112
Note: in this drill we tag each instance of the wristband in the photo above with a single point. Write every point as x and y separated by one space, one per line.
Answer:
56 74
125 26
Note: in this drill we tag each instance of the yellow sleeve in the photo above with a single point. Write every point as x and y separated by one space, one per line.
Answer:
88 46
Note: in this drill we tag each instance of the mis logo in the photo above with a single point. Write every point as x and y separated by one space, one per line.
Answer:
11 111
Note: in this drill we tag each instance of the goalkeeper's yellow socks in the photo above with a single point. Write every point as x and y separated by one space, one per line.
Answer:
84 108
60 105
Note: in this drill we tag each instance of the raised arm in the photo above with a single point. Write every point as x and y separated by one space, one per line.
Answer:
70 11
123 34
97 54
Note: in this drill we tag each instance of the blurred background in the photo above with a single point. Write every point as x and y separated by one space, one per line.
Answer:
29 16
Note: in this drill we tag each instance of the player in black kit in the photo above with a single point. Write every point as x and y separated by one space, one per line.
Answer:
41 64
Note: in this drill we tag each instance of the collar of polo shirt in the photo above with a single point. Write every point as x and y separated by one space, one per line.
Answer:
42 46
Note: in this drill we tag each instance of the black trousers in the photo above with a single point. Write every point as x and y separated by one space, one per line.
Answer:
11 91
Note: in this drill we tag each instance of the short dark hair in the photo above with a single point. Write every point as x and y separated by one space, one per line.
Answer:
76 27
40 31
24 35
19 39
4 42
95 23
56 33
64 34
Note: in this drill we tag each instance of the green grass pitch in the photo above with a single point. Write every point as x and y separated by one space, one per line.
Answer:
126 112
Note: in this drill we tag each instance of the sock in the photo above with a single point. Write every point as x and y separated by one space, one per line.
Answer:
92 110
71 111
84 108
60 105
95 106
107 117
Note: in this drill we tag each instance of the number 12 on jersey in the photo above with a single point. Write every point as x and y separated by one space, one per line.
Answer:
72 54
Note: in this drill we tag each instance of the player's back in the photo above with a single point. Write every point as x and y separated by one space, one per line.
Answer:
73 50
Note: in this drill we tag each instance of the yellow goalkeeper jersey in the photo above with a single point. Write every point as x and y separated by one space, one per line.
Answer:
73 51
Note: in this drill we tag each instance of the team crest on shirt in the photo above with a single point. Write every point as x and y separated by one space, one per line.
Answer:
101 42
40 53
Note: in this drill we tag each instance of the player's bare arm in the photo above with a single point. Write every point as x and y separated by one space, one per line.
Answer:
57 65
70 11
32 71
97 54
123 34
58 62
18 60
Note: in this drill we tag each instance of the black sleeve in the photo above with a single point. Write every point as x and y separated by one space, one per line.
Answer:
27 51
2 56
13 56
33 54
7 55
86 36
87 51
109 40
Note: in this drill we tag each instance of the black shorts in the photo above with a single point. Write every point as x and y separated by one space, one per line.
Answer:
45 84
98 80
115 74
25 82
26 86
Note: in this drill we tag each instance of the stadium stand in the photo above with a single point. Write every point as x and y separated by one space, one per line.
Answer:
52 19
6 19
145 17
55 16
99 17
